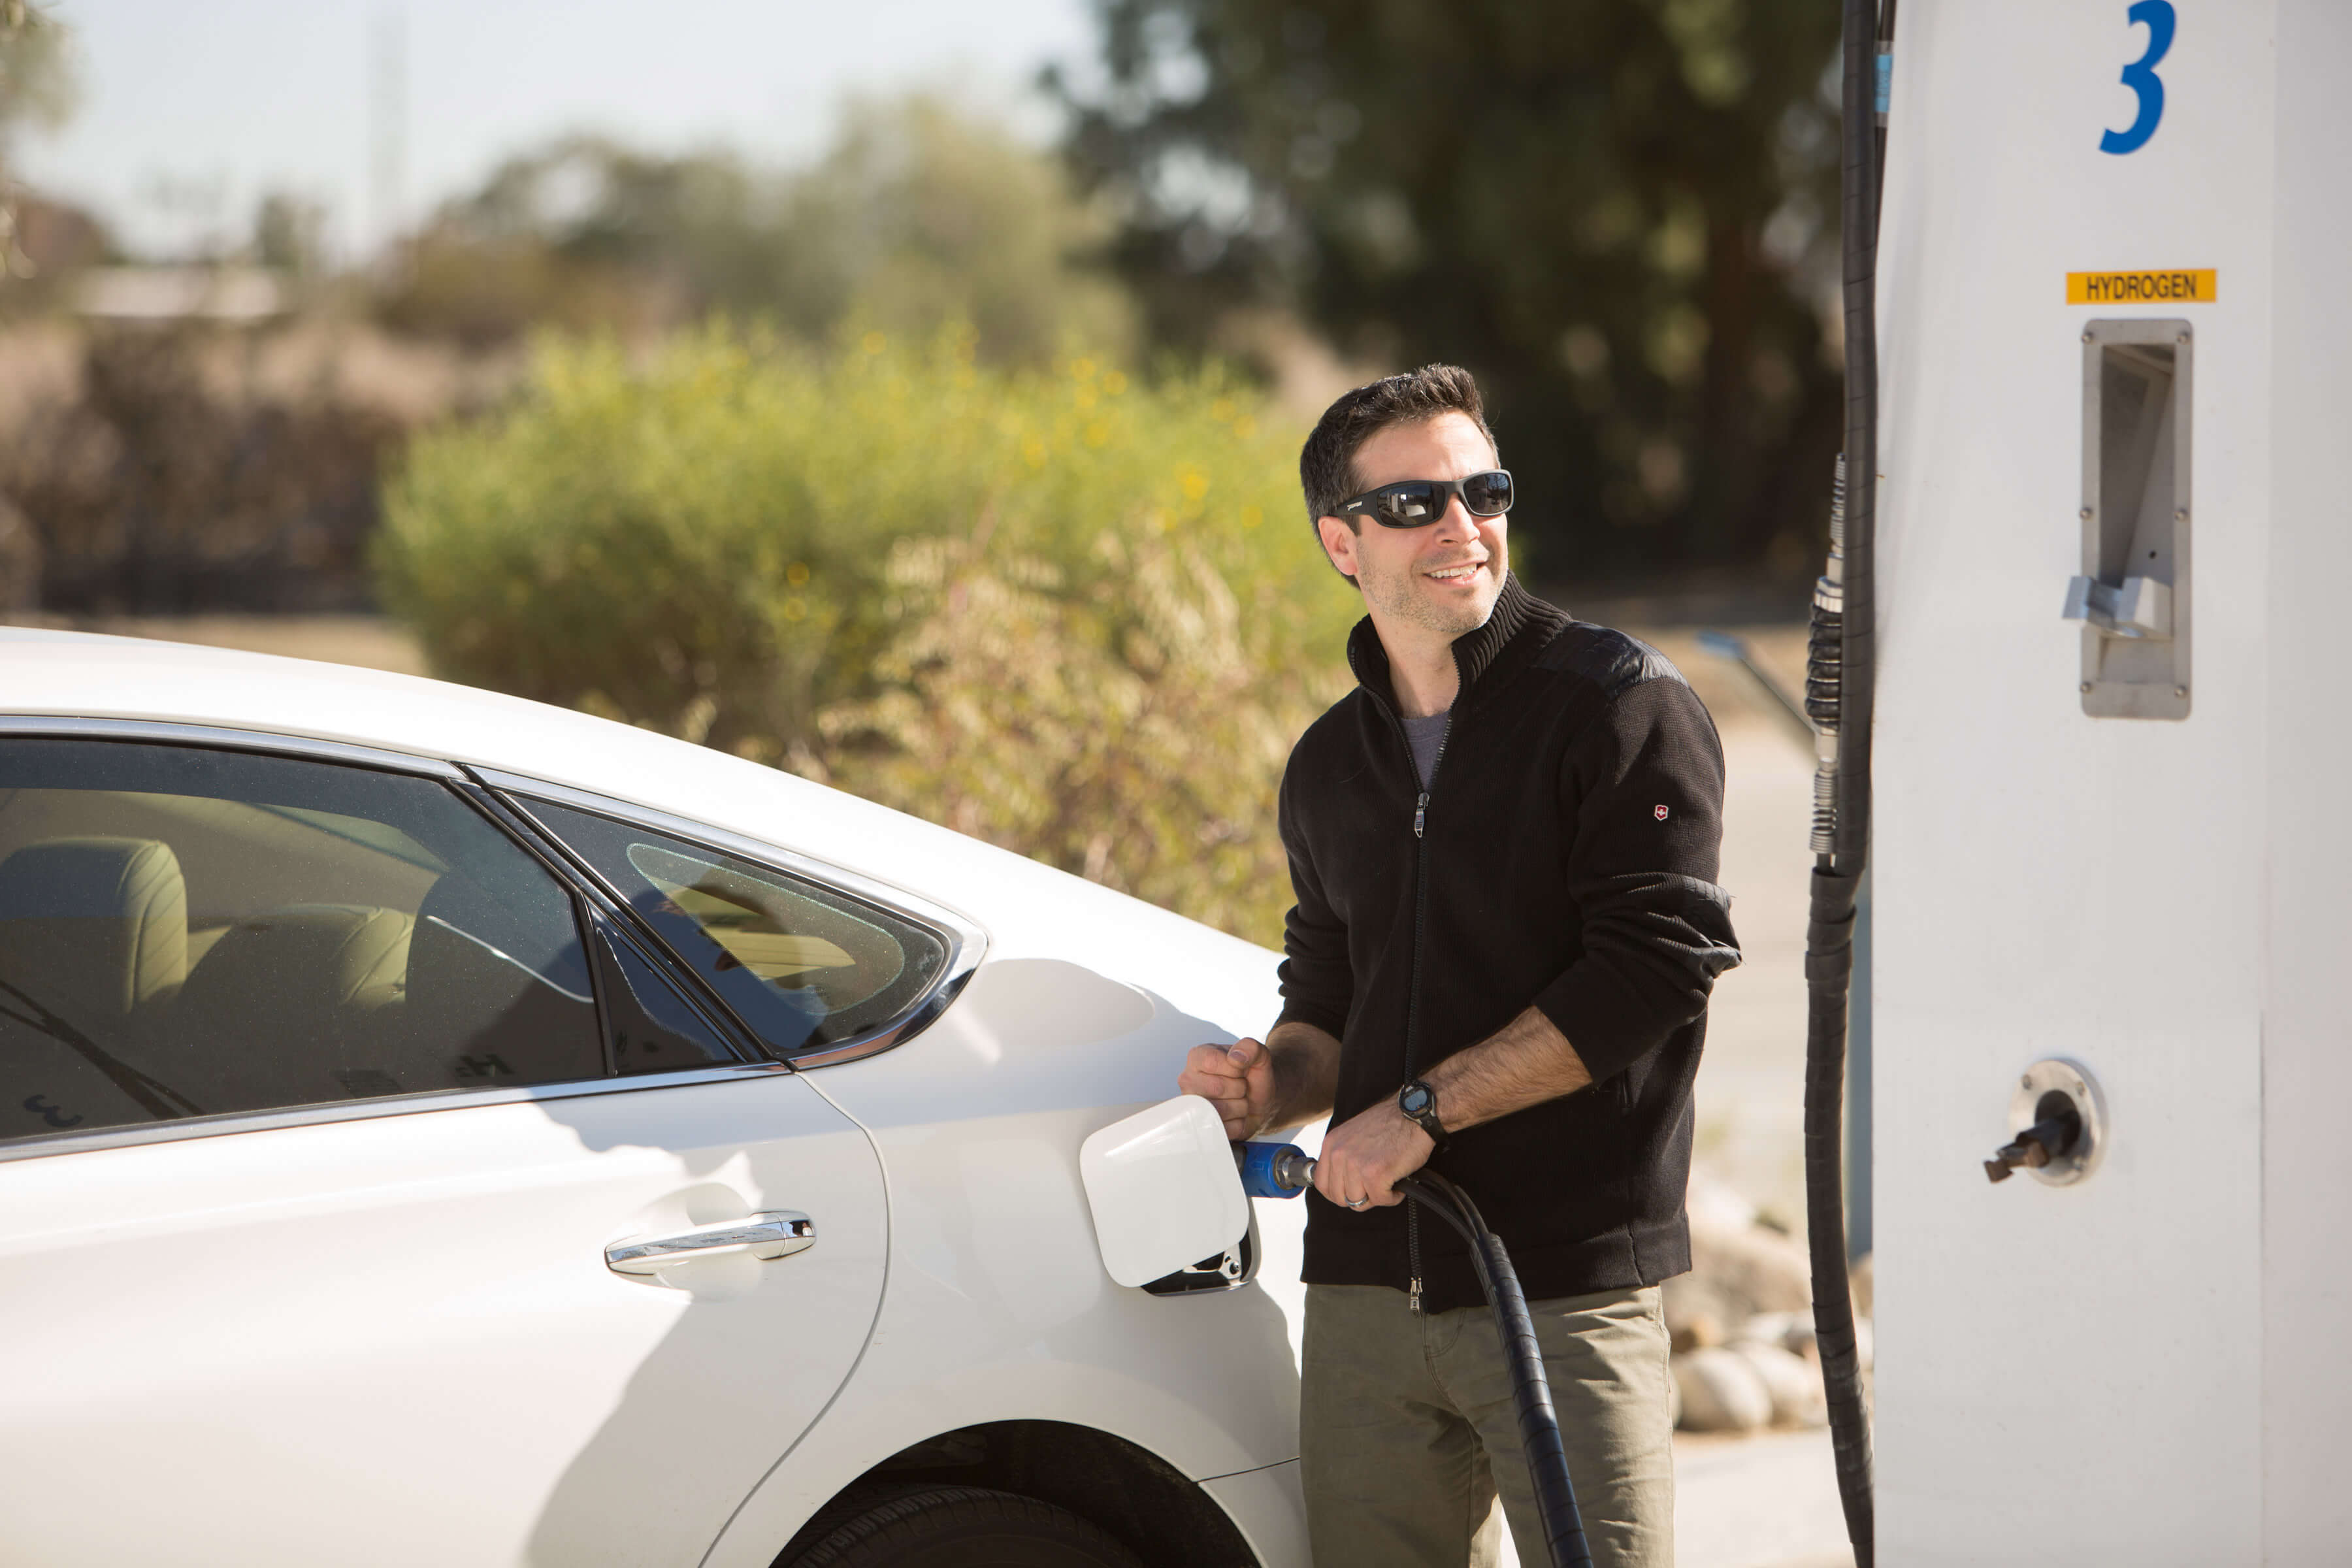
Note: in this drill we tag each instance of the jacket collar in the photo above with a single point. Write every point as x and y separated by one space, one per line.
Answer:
1519 625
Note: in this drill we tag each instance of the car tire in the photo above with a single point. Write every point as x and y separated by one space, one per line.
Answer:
963 1527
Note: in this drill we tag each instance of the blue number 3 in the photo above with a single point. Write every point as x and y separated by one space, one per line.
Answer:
2141 77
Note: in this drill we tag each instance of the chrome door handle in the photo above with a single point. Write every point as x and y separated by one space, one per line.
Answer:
778 1234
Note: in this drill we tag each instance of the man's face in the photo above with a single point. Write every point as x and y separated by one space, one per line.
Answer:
1440 579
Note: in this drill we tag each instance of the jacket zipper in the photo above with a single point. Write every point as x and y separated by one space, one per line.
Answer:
1412 992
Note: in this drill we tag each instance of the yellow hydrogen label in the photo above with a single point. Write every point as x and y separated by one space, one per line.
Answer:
2185 288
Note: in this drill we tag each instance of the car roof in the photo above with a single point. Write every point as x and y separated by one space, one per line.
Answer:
1026 906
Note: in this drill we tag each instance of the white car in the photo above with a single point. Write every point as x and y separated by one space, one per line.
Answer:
440 1128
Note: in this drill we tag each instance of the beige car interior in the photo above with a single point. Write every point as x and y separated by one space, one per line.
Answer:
791 941
166 955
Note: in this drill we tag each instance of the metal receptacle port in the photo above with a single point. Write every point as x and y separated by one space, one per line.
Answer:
2057 1125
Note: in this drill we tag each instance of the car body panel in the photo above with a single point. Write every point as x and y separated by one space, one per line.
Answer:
999 1306
1269 1509
396 1341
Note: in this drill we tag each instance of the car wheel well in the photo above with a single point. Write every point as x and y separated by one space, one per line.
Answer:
1121 1487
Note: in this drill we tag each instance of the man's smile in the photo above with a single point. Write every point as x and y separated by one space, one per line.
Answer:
1461 572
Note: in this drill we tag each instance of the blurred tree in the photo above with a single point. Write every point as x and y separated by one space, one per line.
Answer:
927 215
920 214
1614 211
37 88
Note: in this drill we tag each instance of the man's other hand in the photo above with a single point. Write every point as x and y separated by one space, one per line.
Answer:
1238 1080
1364 1157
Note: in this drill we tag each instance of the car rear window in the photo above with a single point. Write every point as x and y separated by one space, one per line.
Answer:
805 965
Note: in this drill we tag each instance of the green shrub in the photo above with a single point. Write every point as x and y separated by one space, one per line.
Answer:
1074 613
1143 757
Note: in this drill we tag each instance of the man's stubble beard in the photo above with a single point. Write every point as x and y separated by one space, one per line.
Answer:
1397 595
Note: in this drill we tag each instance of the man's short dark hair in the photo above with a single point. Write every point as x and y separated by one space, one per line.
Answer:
1326 464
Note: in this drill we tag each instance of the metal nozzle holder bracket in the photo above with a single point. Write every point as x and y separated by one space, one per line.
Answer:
2132 596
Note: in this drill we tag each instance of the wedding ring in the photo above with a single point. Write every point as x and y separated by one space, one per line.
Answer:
1359 1203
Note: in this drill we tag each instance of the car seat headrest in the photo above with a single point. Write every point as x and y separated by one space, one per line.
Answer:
303 964
94 928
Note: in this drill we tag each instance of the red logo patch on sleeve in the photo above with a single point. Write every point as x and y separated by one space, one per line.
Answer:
1659 812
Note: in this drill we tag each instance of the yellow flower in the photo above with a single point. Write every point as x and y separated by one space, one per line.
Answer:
873 342
796 573
1196 483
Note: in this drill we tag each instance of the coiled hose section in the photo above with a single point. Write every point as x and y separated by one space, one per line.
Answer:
1539 1438
1824 672
1839 698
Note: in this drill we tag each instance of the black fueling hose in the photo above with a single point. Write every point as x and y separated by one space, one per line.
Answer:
1840 672
1283 1170
1540 1437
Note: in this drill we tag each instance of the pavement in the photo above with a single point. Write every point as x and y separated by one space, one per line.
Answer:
1768 1502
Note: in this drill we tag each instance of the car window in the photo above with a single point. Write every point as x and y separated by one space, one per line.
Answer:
187 931
804 964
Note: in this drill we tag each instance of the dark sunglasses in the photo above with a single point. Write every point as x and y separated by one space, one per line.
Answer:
1416 503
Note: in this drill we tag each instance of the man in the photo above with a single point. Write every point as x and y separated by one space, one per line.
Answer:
1503 848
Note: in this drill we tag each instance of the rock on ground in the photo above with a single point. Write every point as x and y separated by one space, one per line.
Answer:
1793 1383
1721 1391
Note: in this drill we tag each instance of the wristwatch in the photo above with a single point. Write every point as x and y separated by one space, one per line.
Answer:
1418 1102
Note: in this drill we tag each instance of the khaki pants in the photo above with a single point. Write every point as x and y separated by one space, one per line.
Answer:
1407 1429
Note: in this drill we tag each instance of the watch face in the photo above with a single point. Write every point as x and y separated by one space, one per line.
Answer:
1415 1100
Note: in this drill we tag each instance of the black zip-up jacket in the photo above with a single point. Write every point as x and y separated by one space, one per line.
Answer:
1564 856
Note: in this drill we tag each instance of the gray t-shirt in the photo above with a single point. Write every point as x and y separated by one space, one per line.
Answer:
1426 735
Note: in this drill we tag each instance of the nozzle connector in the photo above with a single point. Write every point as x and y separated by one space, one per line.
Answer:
1274 1170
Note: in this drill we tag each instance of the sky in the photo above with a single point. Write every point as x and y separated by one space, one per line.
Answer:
189 113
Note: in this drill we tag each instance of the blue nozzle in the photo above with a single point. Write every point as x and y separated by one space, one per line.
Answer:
1274 1170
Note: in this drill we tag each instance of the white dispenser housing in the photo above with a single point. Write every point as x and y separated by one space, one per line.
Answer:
2094 841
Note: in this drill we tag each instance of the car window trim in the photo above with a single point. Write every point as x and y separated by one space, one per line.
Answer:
600 907
239 1121
167 732
965 941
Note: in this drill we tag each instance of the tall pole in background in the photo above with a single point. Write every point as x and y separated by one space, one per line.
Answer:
387 134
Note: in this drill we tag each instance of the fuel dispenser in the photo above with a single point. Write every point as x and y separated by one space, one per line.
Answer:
2107 527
